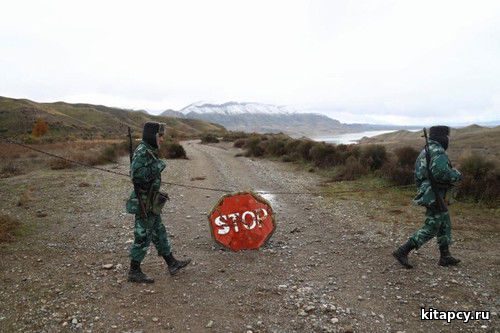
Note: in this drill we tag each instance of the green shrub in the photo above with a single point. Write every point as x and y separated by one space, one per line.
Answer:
209 138
400 169
275 146
481 180
292 145
304 149
108 155
396 173
30 140
289 158
239 143
325 155
374 156
406 156
172 150
253 147
233 136
351 170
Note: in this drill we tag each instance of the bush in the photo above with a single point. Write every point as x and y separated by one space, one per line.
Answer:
253 147
209 138
289 158
325 155
351 170
406 156
481 180
400 169
291 146
172 150
397 174
233 136
8 228
11 169
304 149
374 156
30 140
108 155
275 146
40 128
293 150
123 147
59 164
239 143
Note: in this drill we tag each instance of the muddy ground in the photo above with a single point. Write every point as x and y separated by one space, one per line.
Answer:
327 268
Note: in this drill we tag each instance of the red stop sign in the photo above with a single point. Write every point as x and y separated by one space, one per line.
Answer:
242 221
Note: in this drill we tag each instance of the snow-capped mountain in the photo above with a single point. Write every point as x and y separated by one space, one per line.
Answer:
235 108
260 118
266 118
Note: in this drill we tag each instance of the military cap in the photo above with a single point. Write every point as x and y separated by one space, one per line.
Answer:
150 131
440 134
436 131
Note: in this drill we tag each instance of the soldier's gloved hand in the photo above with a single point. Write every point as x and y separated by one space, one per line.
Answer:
456 177
156 184
160 165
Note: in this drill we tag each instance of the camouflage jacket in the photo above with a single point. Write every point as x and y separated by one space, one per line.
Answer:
145 171
444 174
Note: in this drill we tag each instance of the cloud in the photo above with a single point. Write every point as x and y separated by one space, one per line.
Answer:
376 61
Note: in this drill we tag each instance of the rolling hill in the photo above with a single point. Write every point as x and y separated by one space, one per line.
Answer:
87 121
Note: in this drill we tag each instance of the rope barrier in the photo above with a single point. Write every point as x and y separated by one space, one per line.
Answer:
198 187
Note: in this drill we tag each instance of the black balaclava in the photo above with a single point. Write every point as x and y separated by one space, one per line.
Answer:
440 134
149 133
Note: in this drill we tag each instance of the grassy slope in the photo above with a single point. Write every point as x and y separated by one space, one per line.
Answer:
395 205
17 117
474 138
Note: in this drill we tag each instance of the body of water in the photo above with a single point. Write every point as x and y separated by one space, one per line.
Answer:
349 138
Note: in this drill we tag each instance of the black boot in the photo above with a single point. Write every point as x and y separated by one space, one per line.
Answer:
446 259
175 265
136 275
401 254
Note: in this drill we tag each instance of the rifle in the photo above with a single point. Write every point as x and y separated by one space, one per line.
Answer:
441 205
144 214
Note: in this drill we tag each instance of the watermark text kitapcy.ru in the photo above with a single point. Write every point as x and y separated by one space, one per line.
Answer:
465 316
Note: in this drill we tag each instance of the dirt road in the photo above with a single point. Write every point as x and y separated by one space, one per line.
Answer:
327 267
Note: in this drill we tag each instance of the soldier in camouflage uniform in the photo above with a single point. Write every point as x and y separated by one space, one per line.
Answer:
145 171
437 223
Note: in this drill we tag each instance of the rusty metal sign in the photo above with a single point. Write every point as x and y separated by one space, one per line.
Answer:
242 221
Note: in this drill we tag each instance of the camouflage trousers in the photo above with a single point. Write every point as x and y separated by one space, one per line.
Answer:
145 231
436 224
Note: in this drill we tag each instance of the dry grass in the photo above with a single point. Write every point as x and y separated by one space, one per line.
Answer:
9 228
92 152
393 206
25 198
11 169
59 164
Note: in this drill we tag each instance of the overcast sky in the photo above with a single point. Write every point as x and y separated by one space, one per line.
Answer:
388 61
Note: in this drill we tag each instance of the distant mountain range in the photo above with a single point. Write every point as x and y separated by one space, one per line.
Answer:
266 118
